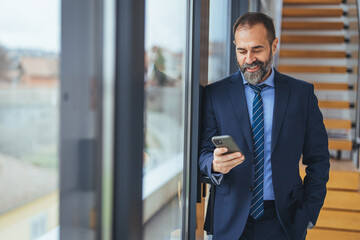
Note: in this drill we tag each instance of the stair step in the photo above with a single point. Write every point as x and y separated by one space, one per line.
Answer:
312 39
292 25
329 234
342 200
354 54
354 39
331 86
344 180
340 144
306 12
288 53
334 104
353 26
352 12
339 220
343 176
312 69
299 2
337 123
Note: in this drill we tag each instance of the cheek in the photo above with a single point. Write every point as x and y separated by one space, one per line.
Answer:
240 59
263 57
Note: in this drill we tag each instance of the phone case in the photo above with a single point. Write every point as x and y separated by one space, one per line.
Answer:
226 141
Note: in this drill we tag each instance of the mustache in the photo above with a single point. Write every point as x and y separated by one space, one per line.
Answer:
253 64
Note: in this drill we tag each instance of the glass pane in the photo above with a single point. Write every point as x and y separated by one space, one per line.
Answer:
29 113
219 32
165 45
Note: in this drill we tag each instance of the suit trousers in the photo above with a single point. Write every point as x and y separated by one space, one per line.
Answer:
267 227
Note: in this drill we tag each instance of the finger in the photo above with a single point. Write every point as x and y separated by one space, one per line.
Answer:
226 167
228 157
231 163
220 151
242 159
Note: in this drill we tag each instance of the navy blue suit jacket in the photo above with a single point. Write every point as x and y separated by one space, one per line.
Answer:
297 130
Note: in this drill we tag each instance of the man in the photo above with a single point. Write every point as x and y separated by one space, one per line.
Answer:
275 120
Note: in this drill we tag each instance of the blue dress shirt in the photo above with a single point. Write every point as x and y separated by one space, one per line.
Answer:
268 97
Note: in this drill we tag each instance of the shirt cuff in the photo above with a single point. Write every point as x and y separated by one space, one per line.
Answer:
217 178
310 225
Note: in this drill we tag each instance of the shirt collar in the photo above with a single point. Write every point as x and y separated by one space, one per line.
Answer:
269 81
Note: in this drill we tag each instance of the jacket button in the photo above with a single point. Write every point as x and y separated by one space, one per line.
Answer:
251 188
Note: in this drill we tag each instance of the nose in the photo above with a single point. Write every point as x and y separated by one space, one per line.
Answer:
250 58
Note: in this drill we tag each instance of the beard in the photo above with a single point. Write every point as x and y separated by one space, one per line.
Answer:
254 78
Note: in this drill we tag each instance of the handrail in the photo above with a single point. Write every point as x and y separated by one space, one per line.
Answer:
209 227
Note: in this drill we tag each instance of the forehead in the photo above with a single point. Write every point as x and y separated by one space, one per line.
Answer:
256 34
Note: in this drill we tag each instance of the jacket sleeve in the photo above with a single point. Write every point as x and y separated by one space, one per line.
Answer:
316 158
209 128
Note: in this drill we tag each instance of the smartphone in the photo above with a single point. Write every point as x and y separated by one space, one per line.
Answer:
226 141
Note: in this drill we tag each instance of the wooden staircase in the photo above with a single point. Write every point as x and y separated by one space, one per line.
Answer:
340 215
317 41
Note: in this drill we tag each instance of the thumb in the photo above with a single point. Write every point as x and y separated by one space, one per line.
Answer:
219 151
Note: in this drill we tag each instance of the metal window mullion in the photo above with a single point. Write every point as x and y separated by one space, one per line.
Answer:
238 8
129 119
186 211
198 76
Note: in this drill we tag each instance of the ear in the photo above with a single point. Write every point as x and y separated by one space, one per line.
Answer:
234 42
274 46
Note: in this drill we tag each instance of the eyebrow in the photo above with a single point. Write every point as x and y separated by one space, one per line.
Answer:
256 47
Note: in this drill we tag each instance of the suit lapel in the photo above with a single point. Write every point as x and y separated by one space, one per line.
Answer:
280 105
237 95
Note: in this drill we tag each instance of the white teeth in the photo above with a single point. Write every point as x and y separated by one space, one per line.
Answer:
253 67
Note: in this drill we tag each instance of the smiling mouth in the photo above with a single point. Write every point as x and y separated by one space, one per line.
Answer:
253 69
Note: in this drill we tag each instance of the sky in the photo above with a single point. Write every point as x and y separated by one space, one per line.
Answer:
35 24
30 24
166 23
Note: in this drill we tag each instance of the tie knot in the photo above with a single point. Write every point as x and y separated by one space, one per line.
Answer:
257 88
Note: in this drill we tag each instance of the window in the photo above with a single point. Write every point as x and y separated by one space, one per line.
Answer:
219 25
165 54
29 112
38 226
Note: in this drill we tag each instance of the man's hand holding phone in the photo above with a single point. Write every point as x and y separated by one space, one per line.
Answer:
223 162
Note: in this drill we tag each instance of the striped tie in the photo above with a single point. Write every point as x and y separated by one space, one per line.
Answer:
257 203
